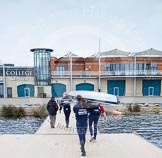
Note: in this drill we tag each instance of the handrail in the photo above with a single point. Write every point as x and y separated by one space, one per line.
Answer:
83 74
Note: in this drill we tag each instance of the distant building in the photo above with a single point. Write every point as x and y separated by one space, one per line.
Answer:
16 81
121 73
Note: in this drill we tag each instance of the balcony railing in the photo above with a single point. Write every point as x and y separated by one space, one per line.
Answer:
94 74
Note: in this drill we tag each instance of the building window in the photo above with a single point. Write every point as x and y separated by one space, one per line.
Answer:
1 90
42 67
148 66
60 70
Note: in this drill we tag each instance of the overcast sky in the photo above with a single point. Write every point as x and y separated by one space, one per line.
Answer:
76 26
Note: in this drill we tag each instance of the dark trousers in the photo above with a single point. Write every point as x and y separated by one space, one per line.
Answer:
82 129
67 115
93 119
52 120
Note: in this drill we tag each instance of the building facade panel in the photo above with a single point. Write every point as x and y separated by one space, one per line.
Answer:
14 82
103 85
129 89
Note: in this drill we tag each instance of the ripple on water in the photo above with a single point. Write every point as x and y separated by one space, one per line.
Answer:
25 125
147 126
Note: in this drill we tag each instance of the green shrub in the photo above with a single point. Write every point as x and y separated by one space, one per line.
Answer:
12 112
8 111
19 112
126 111
40 112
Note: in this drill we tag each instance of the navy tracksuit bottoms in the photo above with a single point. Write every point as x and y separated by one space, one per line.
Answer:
82 129
93 119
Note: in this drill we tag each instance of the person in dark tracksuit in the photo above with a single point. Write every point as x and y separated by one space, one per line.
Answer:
94 114
65 104
52 109
81 114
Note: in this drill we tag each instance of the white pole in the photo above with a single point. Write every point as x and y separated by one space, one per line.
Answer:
4 82
134 74
71 71
99 68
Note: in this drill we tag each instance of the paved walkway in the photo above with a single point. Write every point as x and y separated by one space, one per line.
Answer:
60 142
60 127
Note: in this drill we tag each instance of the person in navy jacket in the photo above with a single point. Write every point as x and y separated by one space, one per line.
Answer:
81 114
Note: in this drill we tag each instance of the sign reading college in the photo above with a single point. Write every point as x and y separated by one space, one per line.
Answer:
19 72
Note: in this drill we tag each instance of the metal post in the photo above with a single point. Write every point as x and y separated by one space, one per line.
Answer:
135 74
99 68
4 82
71 71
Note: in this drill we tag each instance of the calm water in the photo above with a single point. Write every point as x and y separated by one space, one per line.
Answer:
147 126
25 125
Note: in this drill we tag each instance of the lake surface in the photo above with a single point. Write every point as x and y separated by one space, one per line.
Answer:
147 126
25 125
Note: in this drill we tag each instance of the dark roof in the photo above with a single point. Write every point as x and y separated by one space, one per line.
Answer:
46 49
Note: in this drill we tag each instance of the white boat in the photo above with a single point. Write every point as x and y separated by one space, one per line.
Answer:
95 96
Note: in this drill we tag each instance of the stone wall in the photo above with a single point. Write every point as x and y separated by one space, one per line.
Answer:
152 109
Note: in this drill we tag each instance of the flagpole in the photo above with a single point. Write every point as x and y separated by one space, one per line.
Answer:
71 74
134 74
99 68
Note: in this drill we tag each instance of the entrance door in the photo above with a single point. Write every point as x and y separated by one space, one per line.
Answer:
151 91
151 87
27 92
116 91
40 92
116 87
9 92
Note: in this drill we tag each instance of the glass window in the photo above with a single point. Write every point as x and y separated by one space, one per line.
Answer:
148 66
107 67
1 90
42 67
60 70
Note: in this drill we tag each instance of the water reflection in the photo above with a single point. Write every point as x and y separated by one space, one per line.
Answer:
147 126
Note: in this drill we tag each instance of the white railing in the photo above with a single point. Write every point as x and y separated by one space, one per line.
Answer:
90 74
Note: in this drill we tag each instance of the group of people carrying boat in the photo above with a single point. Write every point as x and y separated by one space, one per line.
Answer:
87 113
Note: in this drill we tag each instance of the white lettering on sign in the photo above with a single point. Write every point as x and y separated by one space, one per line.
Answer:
18 73
14 78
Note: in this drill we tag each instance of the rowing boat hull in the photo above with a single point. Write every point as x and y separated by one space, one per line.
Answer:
95 96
